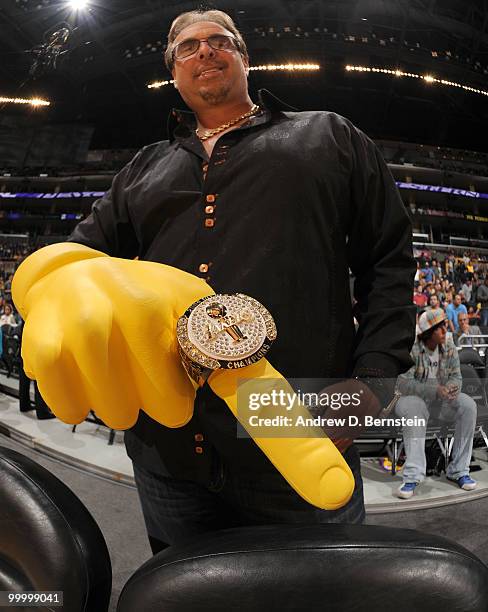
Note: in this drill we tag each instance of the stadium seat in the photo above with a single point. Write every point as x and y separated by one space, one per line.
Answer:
334 568
48 539
470 356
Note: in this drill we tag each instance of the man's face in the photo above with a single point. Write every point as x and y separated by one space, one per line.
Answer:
457 300
434 302
463 321
210 77
439 335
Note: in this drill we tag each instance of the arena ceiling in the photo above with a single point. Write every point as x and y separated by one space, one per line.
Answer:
115 50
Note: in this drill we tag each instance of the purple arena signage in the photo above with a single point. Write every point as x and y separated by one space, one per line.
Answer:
53 196
441 189
98 194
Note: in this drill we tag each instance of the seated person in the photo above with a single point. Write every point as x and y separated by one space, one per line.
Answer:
419 297
432 388
454 310
465 328
434 302
8 317
474 314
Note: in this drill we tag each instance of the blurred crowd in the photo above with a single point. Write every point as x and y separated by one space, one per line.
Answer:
459 285
11 254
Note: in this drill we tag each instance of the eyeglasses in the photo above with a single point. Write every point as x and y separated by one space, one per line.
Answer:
219 42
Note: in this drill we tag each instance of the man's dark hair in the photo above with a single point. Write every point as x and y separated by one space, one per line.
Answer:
186 19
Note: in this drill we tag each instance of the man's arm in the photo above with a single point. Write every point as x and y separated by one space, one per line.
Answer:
450 319
455 378
380 257
407 384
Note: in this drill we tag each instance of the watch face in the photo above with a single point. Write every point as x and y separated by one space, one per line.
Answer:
233 330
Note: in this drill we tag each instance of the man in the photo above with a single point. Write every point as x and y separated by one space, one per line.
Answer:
434 302
419 297
465 329
279 205
467 290
482 298
453 311
439 292
427 273
432 388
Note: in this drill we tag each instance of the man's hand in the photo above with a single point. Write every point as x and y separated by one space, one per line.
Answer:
453 391
447 393
354 415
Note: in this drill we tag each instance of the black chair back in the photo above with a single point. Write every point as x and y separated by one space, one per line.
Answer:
333 568
48 539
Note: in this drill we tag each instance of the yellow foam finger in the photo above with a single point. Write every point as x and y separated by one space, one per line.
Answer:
101 358
304 455
53 367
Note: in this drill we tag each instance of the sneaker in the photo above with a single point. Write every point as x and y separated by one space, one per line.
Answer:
406 490
465 482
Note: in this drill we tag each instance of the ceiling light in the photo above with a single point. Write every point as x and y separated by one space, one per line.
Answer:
31 101
79 5
425 77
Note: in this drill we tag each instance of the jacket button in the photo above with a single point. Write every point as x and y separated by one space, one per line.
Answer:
209 209
198 437
209 222
210 198
203 268
198 450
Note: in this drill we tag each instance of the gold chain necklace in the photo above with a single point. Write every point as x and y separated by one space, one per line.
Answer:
209 133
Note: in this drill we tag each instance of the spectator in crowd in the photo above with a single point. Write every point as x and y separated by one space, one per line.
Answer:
431 388
453 311
466 329
417 274
434 302
419 297
482 298
436 269
467 290
439 292
449 263
428 273
8 317
8 284
474 315
448 300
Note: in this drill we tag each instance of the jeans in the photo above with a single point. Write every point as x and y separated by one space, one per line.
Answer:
463 411
175 509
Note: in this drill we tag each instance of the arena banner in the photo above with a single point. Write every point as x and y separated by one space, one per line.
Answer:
98 194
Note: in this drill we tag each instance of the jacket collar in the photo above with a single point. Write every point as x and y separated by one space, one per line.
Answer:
181 123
